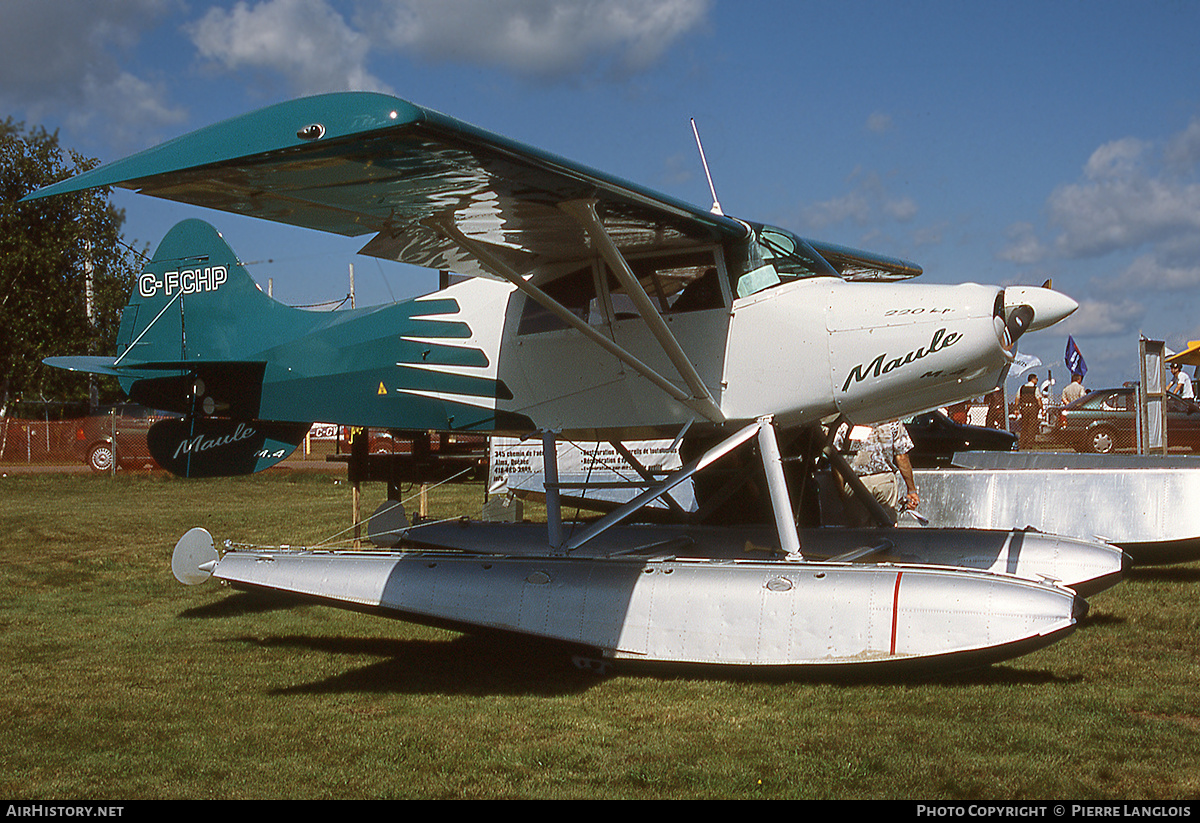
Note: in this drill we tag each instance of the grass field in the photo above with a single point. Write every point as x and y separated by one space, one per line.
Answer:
121 684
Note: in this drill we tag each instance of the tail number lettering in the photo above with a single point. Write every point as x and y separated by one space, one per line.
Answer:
184 281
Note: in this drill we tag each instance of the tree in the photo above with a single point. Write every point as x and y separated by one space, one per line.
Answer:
49 251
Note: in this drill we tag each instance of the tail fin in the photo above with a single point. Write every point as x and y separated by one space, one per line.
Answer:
194 339
198 337
197 329
195 302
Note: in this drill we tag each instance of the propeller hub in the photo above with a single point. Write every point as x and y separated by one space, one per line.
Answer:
1048 306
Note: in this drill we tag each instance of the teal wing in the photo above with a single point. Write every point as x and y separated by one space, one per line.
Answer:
359 164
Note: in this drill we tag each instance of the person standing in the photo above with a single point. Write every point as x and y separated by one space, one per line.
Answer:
1074 389
1181 384
883 455
1046 398
1030 408
1046 390
995 410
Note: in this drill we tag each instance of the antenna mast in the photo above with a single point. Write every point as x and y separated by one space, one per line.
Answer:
716 206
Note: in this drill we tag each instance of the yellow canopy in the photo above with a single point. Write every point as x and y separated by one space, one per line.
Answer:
1189 356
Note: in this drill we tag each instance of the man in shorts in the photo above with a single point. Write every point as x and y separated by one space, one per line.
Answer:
883 455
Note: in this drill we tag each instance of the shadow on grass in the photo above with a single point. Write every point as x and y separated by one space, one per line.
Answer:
240 603
995 674
1097 619
489 665
1165 574
466 665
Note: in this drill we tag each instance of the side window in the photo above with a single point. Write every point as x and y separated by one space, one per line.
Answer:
575 291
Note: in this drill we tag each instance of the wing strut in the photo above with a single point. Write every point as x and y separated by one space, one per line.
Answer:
781 504
585 212
497 267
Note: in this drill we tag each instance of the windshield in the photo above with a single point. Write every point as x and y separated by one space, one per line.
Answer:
777 256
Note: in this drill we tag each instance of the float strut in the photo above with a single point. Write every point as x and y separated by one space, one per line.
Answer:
553 504
781 501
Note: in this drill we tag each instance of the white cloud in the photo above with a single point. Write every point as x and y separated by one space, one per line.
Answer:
866 202
316 48
1149 272
901 209
1122 212
61 56
879 122
56 55
1098 318
306 41
1024 246
1134 196
543 38
131 104
1182 153
1117 159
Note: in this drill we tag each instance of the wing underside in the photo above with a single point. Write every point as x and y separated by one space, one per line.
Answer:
368 164
854 264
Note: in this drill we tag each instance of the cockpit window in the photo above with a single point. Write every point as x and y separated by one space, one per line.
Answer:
778 256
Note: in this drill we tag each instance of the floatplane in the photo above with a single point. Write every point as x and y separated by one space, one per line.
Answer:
595 309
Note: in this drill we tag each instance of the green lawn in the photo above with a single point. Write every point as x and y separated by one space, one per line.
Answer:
119 684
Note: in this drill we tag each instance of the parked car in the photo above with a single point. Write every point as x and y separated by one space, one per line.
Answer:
116 432
936 438
1105 421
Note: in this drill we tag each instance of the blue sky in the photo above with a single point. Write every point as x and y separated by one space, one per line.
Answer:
989 142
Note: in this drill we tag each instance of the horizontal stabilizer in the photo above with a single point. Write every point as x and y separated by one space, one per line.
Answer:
231 389
86 364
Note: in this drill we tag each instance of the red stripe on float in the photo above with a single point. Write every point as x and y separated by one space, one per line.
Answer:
895 608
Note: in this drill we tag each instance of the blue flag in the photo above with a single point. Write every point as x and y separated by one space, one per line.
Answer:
1074 358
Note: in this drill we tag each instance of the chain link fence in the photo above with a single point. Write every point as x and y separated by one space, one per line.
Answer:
111 439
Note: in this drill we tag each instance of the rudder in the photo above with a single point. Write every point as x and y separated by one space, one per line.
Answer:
197 328
194 301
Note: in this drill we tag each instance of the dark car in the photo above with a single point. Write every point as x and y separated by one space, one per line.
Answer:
936 438
1105 421
116 433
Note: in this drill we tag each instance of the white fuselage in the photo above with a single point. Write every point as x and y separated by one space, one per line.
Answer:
801 352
